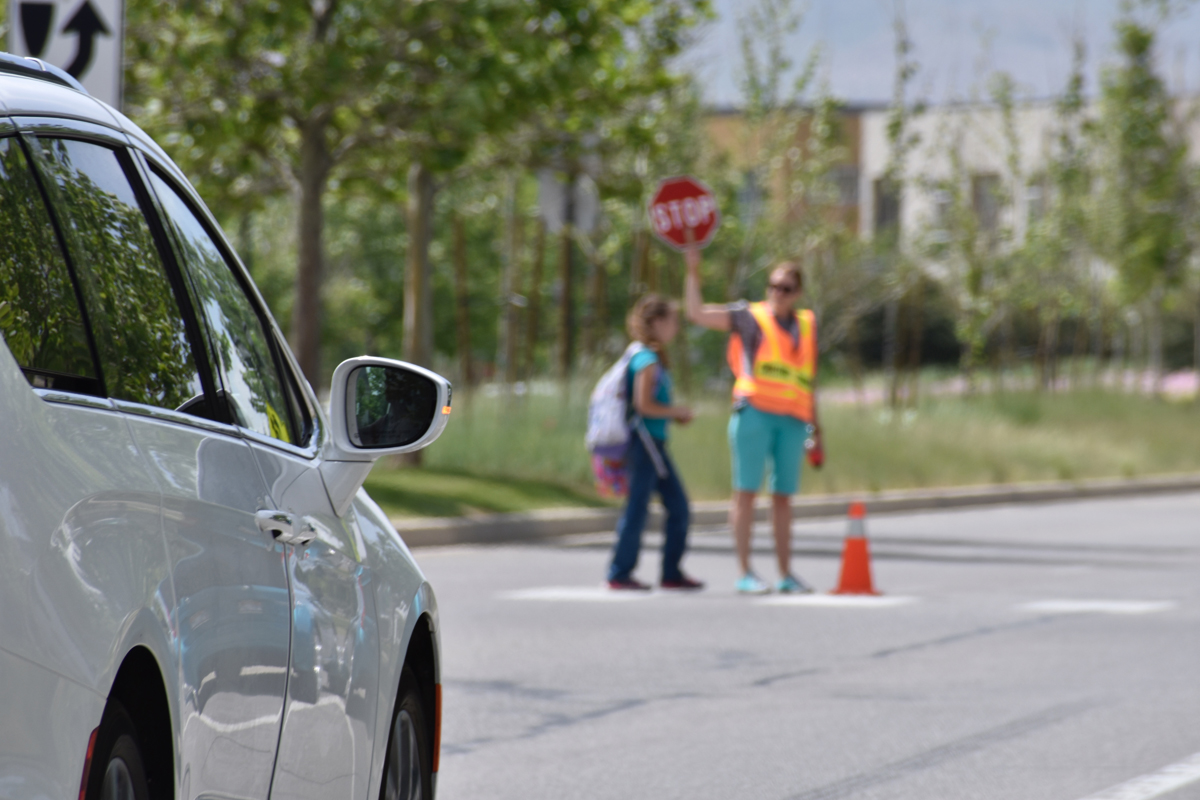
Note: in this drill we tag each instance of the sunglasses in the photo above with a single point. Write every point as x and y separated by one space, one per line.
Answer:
783 288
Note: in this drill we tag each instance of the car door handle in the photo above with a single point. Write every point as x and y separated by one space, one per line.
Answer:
282 526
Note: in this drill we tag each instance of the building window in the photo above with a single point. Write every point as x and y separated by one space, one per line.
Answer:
845 178
887 206
1035 199
985 201
943 209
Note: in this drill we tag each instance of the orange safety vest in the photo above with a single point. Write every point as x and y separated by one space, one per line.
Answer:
780 378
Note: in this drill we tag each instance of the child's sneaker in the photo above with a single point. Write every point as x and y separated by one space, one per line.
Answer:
751 584
790 584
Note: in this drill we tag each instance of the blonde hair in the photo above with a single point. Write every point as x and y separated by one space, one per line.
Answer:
640 322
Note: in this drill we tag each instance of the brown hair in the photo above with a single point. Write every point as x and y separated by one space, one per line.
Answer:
645 312
792 269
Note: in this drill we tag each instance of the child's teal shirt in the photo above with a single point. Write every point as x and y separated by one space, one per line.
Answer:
662 390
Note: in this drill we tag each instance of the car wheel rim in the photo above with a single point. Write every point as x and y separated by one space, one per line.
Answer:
404 765
118 783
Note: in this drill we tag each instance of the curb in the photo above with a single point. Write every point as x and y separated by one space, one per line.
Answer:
549 523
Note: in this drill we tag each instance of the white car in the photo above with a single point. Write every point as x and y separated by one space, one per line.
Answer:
197 599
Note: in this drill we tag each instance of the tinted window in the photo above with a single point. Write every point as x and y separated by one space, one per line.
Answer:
39 310
239 341
144 350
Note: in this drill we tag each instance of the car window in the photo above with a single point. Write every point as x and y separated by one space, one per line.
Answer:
145 354
239 341
40 318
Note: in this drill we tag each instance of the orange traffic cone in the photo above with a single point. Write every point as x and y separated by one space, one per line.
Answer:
856 560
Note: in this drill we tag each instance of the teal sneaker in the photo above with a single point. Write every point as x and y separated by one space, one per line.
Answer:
751 584
790 584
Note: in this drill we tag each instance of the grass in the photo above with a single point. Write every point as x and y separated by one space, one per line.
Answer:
519 453
447 493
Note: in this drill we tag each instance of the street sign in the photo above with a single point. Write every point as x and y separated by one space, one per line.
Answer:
682 204
552 201
82 37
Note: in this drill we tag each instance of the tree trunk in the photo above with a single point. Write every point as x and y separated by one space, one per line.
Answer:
856 363
891 356
512 342
641 263
1196 344
916 332
418 289
599 305
1052 350
315 164
462 301
506 336
602 298
1097 321
534 309
588 323
566 330
1078 352
1117 359
1008 358
1044 345
1155 343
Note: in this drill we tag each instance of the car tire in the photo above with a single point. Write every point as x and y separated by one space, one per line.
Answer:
118 770
407 770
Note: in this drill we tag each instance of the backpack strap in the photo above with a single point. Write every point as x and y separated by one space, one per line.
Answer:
660 466
637 423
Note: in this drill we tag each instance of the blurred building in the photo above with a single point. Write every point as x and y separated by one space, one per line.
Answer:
743 145
1000 173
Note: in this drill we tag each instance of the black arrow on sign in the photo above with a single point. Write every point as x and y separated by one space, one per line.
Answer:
35 24
88 25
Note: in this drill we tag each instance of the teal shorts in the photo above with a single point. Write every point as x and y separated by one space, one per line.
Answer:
756 435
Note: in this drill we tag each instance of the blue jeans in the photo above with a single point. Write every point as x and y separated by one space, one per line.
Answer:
643 481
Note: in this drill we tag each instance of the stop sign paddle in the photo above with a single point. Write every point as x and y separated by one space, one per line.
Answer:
681 205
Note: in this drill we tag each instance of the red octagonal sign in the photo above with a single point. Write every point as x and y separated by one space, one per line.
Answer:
683 204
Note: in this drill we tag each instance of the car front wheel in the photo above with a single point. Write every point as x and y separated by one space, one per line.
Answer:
407 770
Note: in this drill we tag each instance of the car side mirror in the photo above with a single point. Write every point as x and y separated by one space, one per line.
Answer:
379 407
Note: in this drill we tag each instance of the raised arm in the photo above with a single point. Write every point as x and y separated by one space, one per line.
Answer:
709 315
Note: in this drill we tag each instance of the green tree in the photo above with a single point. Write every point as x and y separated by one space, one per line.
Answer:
1145 198
899 273
268 96
1053 264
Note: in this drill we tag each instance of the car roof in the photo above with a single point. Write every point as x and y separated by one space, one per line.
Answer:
30 88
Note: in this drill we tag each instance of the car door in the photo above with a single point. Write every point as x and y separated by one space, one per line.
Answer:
327 738
81 552
230 609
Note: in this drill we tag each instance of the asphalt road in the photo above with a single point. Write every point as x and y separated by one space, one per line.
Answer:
1041 652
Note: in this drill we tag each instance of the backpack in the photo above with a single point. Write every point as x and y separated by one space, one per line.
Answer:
609 429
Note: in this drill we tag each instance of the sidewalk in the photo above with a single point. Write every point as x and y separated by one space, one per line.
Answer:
534 525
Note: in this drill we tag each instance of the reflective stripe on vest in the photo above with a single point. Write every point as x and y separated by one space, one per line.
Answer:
779 380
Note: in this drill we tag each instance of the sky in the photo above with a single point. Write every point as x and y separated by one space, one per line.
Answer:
957 43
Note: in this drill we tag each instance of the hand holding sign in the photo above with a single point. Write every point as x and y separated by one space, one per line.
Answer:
683 213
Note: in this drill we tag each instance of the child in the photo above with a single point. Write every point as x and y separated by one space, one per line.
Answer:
654 321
